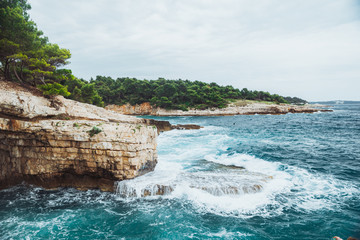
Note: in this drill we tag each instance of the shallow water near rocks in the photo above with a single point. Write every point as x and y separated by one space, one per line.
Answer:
294 176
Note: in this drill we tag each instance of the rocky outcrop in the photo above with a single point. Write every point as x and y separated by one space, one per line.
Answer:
232 109
163 126
63 143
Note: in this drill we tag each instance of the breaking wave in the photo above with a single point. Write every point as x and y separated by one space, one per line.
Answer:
195 166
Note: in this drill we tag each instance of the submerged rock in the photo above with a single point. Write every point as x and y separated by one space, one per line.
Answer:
150 190
69 144
223 183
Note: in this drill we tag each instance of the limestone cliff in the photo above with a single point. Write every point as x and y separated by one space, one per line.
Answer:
63 143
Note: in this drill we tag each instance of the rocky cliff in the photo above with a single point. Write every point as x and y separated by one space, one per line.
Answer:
63 143
232 109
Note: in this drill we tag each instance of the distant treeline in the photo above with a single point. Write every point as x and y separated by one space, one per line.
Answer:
295 100
174 94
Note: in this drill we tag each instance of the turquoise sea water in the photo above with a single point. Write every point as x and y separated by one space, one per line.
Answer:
294 176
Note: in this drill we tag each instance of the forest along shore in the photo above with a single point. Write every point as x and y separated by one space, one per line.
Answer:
236 108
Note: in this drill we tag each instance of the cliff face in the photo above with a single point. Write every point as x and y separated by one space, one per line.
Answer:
232 109
63 143
138 109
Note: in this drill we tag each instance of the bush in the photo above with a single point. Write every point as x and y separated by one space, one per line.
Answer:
52 89
182 107
94 130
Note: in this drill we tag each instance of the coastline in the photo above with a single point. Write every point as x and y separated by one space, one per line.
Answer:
251 108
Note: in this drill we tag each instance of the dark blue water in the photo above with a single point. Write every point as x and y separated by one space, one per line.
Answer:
294 176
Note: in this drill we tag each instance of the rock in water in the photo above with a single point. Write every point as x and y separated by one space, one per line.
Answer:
163 126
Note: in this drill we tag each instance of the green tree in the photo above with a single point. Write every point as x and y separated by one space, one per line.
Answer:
90 95
25 54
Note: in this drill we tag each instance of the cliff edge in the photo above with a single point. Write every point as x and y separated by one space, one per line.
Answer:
58 142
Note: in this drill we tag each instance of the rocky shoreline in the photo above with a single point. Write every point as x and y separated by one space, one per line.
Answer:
250 108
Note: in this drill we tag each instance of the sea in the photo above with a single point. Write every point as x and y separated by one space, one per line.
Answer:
293 176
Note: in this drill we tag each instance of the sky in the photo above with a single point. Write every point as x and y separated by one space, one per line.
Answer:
309 49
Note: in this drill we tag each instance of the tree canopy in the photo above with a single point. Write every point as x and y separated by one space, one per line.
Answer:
25 54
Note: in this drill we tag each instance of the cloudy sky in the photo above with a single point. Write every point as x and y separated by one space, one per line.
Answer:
309 49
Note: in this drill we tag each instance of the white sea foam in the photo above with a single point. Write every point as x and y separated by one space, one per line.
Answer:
228 235
246 186
300 189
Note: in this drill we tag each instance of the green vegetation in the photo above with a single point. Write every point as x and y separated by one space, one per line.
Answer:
295 100
52 89
81 90
27 57
25 54
174 94
94 130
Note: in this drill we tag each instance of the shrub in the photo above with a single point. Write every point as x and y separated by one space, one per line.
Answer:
94 130
52 89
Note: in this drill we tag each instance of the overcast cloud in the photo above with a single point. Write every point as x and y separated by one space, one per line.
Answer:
309 49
